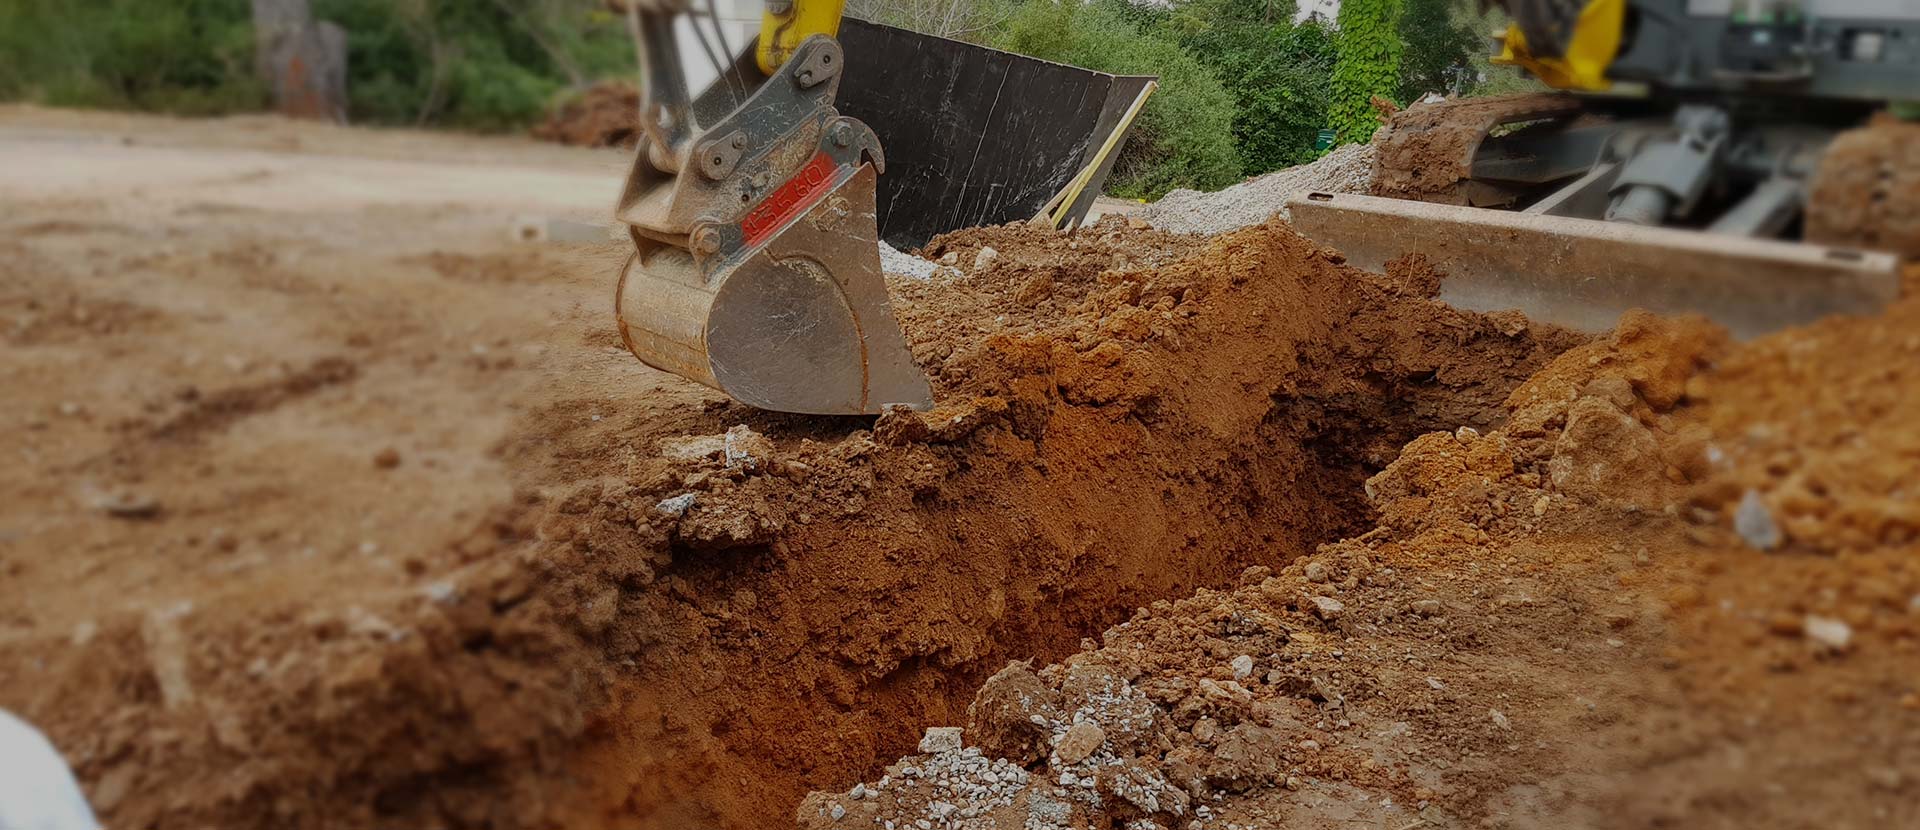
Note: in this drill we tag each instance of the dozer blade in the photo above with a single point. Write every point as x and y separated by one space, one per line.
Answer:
1582 273
803 324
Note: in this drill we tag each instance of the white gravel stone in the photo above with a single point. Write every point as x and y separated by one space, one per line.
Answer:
1346 170
896 261
939 739
1829 632
1755 524
676 505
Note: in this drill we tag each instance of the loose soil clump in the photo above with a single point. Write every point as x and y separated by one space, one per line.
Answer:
606 114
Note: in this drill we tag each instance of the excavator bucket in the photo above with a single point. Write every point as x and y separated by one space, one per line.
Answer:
756 266
1582 273
801 323
756 209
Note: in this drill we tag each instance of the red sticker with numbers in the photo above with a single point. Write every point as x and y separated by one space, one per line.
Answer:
798 194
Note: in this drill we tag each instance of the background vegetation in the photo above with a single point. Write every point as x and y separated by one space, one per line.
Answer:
1244 88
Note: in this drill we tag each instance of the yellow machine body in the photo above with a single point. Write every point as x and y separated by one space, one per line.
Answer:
1595 42
782 33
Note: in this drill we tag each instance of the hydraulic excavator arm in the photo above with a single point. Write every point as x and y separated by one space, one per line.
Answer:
756 265
788 23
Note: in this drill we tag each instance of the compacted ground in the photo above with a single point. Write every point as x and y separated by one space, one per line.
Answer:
338 505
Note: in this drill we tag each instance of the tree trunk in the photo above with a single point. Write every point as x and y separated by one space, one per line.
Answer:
303 61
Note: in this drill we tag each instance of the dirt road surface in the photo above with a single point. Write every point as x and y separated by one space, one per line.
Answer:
229 336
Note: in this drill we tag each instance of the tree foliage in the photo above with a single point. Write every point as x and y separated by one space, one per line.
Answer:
1368 65
968 20
479 64
1439 49
193 57
1243 88
1184 137
1277 73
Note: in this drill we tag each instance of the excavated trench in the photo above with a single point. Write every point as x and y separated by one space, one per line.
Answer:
1128 416
697 614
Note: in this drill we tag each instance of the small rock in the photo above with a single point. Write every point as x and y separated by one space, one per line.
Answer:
1310 745
1786 625
837 812
676 505
1038 287
858 791
1081 740
113 787
1828 632
1327 607
1316 572
899 426
1887 778
986 258
1426 607
693 448
940 739
1500 720
950 258
1292 782
128 505
1242 666
745 449
1754 522
387 459
1205 730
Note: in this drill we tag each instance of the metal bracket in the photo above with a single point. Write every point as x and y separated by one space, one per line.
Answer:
717 158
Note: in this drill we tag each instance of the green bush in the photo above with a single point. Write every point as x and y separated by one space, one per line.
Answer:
470 63
476 64
1184 136
192 57
1276 72
1368 65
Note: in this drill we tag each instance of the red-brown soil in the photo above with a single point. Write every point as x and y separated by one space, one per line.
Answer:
1555 624
351 513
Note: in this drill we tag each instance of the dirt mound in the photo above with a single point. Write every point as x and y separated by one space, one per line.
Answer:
606 114
693 612
1561 622
1136 432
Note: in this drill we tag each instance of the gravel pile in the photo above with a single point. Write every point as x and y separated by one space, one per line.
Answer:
895 261
1346 170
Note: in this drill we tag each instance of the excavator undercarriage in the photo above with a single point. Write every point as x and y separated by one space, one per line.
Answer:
1720 157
